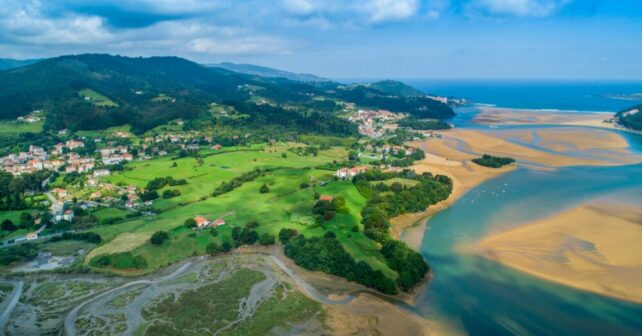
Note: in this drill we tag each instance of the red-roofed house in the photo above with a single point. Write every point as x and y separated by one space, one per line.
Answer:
201 221
326 198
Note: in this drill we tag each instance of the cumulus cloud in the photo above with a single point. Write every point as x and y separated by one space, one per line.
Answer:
24 22
523 8
390 10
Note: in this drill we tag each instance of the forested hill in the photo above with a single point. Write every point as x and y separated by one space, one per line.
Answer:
95 91
8 63
631 117
262 71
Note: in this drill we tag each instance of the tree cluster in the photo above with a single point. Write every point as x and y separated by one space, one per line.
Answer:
326 254
493 161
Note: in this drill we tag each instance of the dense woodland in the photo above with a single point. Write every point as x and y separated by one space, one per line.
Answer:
132 86
14 188
387 201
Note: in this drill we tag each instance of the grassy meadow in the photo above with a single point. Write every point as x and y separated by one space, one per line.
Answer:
96 98
287 205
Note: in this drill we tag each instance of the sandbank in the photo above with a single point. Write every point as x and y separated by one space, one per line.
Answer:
452 152
593 247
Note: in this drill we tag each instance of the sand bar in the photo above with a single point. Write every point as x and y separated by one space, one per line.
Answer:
593 247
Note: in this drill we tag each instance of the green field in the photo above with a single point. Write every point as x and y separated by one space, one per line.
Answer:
286 205
12 127
162 98
96 98
14 216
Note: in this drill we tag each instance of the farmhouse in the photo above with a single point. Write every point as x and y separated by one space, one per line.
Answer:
201 221
348 173
326 198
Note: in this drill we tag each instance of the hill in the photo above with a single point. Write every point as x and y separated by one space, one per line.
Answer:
396 88
262 71
8 63
631 117
95 91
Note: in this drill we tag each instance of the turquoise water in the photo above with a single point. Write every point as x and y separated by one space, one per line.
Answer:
489 299
485 298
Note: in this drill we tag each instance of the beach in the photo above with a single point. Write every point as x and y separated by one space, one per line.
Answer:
593 247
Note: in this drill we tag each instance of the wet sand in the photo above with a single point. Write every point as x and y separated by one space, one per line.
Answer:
550 148
593 247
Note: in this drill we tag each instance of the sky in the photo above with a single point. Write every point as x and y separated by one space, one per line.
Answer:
432 39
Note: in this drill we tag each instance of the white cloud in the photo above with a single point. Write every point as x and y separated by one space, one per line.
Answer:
25 23
390 10
524 8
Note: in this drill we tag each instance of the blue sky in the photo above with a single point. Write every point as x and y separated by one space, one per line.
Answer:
545 39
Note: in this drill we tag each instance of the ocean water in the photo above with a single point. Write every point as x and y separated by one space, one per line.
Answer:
485 298
562 95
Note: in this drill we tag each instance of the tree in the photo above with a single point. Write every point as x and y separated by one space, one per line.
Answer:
7 225
226 247
149 195
159 237
285 235
213 248
266 239
264 189
26 220
339 204
190 223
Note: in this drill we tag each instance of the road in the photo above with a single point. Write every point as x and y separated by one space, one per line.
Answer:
13 299
69 324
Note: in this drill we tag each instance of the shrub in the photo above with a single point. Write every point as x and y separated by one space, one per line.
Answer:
264 189
266 239
212 248
286 234
124 260
190 223
159 237
7 225
226 247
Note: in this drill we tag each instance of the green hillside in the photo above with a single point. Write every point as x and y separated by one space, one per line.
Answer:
94 91
631 117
